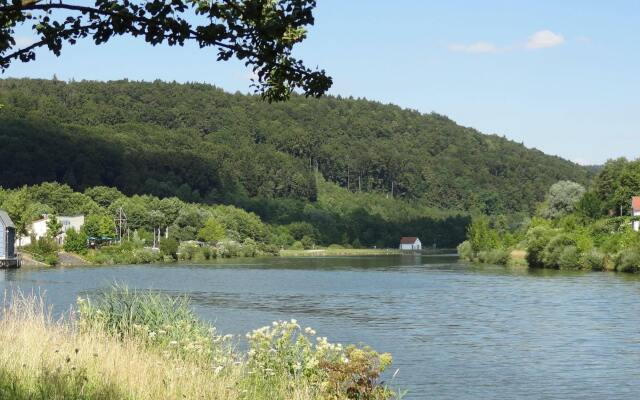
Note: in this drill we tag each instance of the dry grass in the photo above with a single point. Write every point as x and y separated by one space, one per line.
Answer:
45 359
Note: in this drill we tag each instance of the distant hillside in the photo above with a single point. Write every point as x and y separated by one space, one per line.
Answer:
202 144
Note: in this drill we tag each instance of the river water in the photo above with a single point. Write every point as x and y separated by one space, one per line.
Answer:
456 331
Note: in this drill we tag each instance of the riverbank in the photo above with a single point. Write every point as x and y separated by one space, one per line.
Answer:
144 345
328 252
338 252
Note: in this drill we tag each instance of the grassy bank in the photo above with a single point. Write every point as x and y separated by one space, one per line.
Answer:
129 345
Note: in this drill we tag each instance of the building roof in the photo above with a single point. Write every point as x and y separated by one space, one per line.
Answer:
635 203
6 220
408 240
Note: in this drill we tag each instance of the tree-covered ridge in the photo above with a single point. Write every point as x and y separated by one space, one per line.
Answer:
199 143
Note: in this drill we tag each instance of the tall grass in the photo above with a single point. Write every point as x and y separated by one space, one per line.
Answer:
125 344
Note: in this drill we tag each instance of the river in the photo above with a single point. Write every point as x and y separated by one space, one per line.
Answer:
456 331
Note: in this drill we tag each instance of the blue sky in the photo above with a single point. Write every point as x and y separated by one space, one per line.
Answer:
560 76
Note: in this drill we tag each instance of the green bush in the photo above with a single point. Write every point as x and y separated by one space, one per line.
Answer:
465 251
496 256
169 247
75 242
536 240
145 256
228 249
307 242
569 258
335 247
553 250
187 251
44 249
593 260
481 236
628 260
297 245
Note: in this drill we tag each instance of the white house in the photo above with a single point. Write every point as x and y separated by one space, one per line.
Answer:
410 243
635 211
39 228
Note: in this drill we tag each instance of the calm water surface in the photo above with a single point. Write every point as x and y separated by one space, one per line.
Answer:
456 331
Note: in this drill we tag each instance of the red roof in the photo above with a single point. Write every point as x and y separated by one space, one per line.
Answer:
408 240
635 203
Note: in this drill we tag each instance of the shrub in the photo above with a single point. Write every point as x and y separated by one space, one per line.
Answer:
335 247
497 256
44 249
465 251
249 248
628 260
553 250
593 260
169 247
569 258
145 256
536 240
307 242
228 249
187 251
297 245
481 236
75 242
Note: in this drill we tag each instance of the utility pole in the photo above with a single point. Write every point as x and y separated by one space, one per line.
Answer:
121 224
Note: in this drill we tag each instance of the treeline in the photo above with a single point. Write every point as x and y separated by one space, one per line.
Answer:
200 144
574 228
338 217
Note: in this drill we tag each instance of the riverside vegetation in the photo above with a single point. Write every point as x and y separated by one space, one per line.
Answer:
125 344
201 232
574 228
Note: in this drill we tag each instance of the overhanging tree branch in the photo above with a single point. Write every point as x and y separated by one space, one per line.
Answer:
262 33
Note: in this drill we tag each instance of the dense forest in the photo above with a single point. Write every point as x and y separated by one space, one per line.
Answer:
201 144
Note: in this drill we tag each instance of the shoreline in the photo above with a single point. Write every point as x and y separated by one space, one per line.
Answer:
283 254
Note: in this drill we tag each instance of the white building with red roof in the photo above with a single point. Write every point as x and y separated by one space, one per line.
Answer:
410 243
635 211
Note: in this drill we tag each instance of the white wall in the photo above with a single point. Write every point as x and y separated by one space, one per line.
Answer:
415 246
39 228
636 224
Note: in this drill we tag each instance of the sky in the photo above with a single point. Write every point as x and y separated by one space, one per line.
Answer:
562 76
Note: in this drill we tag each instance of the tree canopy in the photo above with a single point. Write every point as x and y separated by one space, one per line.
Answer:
261 33
200 144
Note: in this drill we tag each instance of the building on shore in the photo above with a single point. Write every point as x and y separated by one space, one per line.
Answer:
410 243
39 228
8 256
635 211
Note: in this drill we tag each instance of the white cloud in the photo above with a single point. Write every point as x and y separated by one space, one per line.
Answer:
539 40
474 48
544 39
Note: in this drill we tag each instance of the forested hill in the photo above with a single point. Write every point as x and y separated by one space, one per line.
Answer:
205 145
